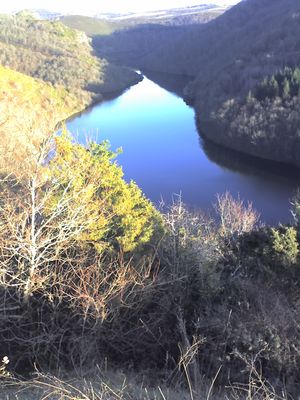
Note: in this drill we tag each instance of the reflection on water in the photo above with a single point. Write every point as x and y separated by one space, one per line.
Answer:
172 83
250 165
161 151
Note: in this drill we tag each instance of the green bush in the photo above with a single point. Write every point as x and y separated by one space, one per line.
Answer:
285 244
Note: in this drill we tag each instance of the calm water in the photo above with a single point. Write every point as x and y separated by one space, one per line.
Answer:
163 153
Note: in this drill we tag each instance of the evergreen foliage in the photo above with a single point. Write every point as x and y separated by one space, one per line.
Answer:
285 243
121 216
266 122
284 84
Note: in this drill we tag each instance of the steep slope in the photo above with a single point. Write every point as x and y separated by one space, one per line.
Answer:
254 37
138 45
227 58
262 42
135 39
50 51
29 111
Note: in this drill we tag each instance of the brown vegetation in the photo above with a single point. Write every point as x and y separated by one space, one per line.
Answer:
187 301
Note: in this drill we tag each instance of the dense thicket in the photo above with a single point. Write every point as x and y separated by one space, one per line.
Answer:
90 271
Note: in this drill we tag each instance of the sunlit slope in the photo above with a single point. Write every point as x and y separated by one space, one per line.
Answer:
55 53
91 26
29 111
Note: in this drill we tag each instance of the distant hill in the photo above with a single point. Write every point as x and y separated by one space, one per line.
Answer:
226 59
41 14
158 34
90 25
173 11
173 16
106 24
255 31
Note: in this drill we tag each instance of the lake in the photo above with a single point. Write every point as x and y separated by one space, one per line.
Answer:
164 154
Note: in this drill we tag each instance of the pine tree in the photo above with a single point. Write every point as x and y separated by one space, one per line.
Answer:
286 89
273 88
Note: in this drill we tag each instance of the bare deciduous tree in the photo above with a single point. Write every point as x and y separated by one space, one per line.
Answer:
235 217
35 231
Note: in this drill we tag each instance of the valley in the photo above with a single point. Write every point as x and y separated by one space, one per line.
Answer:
226 59
149 200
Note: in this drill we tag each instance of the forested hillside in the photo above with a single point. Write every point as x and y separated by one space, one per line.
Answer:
93 277
30 111
57 54
130 39
136 45
225 58
233 43
267 126
266 122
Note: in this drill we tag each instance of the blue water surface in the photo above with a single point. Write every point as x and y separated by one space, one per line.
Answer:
164 155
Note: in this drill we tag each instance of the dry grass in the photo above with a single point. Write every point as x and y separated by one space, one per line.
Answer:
117 385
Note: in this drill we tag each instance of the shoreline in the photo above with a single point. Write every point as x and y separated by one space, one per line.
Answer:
241 147
102 97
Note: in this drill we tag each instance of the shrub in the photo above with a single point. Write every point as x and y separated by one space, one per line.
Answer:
285 244
120 214
235 217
